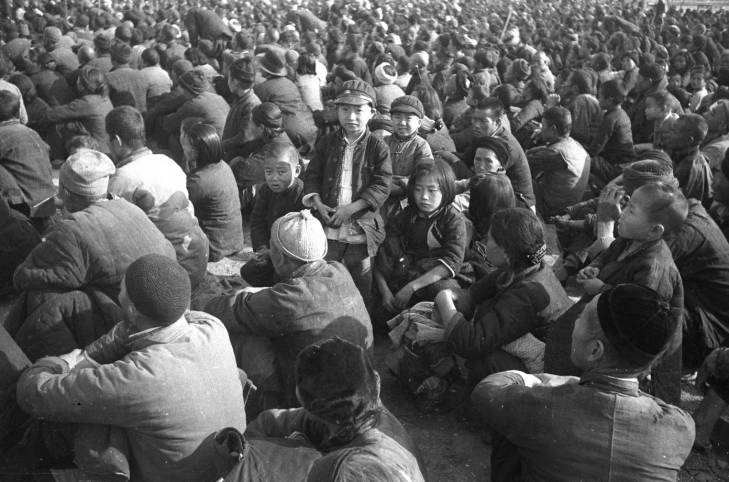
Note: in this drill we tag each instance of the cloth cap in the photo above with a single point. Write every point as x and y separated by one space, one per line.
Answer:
300 236
121 52
647 171
194 81
652 71
636 322
273 62
267 114
158 287
335 380
52 34
86 173
356 92
407 104
243 70
385 74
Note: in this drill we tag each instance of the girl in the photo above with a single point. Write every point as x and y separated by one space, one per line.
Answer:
212 189
522 296
425 243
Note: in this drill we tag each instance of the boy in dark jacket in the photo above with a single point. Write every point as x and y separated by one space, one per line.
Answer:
347 182
281 194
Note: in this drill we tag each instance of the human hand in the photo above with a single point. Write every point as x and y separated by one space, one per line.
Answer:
553 100
324 211
72 358
588 272
561 222
262 255
388 301
608 206
341 215
592 286
402 298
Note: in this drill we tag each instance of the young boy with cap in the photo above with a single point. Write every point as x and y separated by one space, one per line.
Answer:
315 299
347 182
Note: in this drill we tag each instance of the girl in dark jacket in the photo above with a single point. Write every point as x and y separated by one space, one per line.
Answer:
425 243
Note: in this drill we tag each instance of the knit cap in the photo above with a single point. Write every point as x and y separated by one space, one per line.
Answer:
335 380
86 173
407 104
636 322
267 114
194 81
300 236
356 92
385 74
158 287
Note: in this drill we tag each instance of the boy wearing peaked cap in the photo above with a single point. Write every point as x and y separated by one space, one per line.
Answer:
315 299
347 182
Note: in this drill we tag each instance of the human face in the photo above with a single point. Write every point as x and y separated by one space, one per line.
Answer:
653 111
679 62
674 81
717 118
354 118
427 194
582 351
405 124
627 64
634 222
483 123
485 162
605 102
697 81
720 185
280 174
495 254
189 152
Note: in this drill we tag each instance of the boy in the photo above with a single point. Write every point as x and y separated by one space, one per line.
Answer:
640 256
660 108
281 194
347 182
690 167
613 142
698 85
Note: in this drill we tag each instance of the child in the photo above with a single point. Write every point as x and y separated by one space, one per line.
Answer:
677 90
660 107
613 142
523 296
698 85
348 180
407 148
640 256
281 194
425 243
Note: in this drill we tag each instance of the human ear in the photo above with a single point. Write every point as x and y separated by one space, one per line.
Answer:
597 351
657 230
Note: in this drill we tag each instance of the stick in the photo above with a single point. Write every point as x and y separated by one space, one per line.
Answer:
506 25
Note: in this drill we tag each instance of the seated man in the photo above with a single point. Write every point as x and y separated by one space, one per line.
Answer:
162 381
316 300
71 279
342 417
601 426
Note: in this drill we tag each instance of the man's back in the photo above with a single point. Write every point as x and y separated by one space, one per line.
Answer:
602 428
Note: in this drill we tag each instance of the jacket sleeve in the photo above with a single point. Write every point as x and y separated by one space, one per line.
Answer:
315 170
58 262
111 346
100 395
77 109
262 313
260 236
520 174
195 192
453 246
603 134
378 189
277 423
513 315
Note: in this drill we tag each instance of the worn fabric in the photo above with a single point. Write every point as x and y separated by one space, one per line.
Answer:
22 114
270 206
239 124
207 105
385 95
86 115
298 121
613 139
384 441
597 428
586 118
318 301
407 153
310 90
370 180
25 166
214 193
66 60
715 150
126 79
169 388
694 175
52 87
157 79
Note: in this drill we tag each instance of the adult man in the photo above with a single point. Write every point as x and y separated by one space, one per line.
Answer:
239 124
316 300
71 279
651 78
690 166
164 377
562 168
123 78
486 120
158 185
25 168
66 60
600 427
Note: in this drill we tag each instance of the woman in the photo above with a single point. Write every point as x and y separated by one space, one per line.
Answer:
212 189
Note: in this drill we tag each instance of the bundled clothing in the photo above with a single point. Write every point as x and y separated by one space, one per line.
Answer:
612 144
238 124
206 105
83 116
693 174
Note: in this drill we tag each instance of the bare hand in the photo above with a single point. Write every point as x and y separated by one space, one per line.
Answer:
324 212
388 301
341 215
592 286
402 298
262 255
608 206
588 272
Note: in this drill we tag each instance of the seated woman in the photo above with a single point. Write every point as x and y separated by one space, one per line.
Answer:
526 121
212 189
425 243
522 296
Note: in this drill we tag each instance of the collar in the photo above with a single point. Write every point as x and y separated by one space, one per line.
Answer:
9 122
609 383
159 335
133 156
247 93
309 269
435 213
404 139
356 141
683 153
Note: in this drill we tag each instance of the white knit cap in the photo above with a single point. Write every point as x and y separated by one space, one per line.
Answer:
299 235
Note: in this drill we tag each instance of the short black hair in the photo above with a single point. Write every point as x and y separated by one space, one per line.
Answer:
493 104
9 105
127 123
205 140
150 56
560 118
614 91
444 177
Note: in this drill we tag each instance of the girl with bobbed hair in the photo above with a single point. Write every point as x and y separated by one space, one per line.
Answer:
212 188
